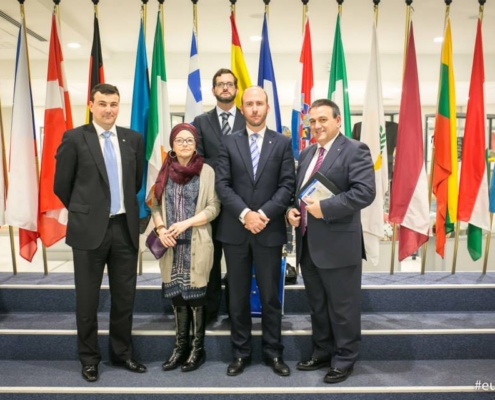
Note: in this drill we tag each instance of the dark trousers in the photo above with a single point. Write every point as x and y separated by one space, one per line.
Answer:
267 267
214 287
118 253
334 297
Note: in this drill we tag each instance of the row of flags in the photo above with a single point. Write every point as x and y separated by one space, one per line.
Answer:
31 205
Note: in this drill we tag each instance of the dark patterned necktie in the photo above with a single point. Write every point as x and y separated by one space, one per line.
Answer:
321 155
225 123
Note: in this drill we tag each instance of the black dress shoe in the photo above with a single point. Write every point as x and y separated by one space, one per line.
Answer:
312 365
336 375
236 367
90 372
131 365
278 366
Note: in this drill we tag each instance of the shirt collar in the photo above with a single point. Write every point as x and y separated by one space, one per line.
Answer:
100 130
328 145
232 111
261 132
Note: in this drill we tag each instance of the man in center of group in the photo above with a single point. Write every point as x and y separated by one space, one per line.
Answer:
255 181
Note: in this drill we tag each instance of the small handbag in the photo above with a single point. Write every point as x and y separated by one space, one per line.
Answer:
154 244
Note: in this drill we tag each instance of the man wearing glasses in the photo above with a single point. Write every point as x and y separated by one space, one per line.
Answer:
212 126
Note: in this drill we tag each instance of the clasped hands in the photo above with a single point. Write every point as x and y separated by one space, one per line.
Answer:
255 222
168 236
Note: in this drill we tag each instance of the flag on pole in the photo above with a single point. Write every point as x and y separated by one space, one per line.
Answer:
22 195
409 190
3 172
492 193
194 98
52 219
301 135
373 134
337 85
96 74
140 110
159 124
266 79
238 63
445 186
473 185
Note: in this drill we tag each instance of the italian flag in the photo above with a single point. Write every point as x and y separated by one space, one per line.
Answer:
473 185
445 186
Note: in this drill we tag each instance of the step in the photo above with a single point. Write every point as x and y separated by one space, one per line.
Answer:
385 336
384 380
409 292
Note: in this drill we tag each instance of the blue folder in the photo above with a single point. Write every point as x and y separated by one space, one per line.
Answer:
255 294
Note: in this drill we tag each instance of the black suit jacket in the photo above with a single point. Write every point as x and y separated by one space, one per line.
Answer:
81 183
336 240
272 191
210 134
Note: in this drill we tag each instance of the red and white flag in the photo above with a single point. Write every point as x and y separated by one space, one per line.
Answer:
409 190
22 195
58 118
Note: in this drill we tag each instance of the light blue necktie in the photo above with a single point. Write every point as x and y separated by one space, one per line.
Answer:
112 172
255 153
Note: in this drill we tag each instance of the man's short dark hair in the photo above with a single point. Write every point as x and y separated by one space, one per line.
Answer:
103 88
328 103
223 71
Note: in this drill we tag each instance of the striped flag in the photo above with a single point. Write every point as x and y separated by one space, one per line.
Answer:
301 134
409 190
266 79
22 195
492 193
52 218
159 124
337 84
194 98
3 172
140 110
445 186
238 63
373 134
473 184
96 74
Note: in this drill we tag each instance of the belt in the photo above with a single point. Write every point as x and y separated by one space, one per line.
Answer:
117 216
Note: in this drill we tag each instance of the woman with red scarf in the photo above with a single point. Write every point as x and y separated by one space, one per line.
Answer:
184 204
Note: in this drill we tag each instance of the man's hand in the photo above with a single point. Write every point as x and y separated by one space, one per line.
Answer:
313 207
294 217
255 222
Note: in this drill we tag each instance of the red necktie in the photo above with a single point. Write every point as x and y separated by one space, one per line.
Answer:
321 155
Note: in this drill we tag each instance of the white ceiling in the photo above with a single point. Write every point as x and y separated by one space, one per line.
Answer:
119 24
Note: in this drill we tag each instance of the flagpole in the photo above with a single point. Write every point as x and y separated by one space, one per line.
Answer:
304 12
267 8
232 6
6 182
195 21
339 2
23 18
160 10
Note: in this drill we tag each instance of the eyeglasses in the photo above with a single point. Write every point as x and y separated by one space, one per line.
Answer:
188 142
230 85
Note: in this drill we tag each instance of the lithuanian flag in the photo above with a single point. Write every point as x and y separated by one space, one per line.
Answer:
445 185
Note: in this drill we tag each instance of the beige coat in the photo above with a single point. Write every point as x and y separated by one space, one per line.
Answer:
201 238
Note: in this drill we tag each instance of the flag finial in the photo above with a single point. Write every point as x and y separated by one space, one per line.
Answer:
57 2
95 2
21 2
144 1
408 2
376 2
448 2
482 2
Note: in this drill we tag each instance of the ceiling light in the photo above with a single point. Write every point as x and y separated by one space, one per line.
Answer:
438 39
73 45
256 38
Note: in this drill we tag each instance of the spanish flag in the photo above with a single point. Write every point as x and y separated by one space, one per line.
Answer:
238 64
445 186
96 74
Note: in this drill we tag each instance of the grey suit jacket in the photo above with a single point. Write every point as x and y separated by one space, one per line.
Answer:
336 240
210 134
81 183
271 191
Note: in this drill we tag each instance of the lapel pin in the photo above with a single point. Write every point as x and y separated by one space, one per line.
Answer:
270 142
123 140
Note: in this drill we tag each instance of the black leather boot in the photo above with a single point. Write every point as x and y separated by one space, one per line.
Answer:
198 354
181 347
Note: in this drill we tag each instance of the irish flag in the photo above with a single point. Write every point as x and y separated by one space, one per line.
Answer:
238 63
445 186
52 217
159 125
473 185
337 85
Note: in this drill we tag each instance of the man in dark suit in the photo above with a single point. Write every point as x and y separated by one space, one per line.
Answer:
98 172
255 182
212 127
329 241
